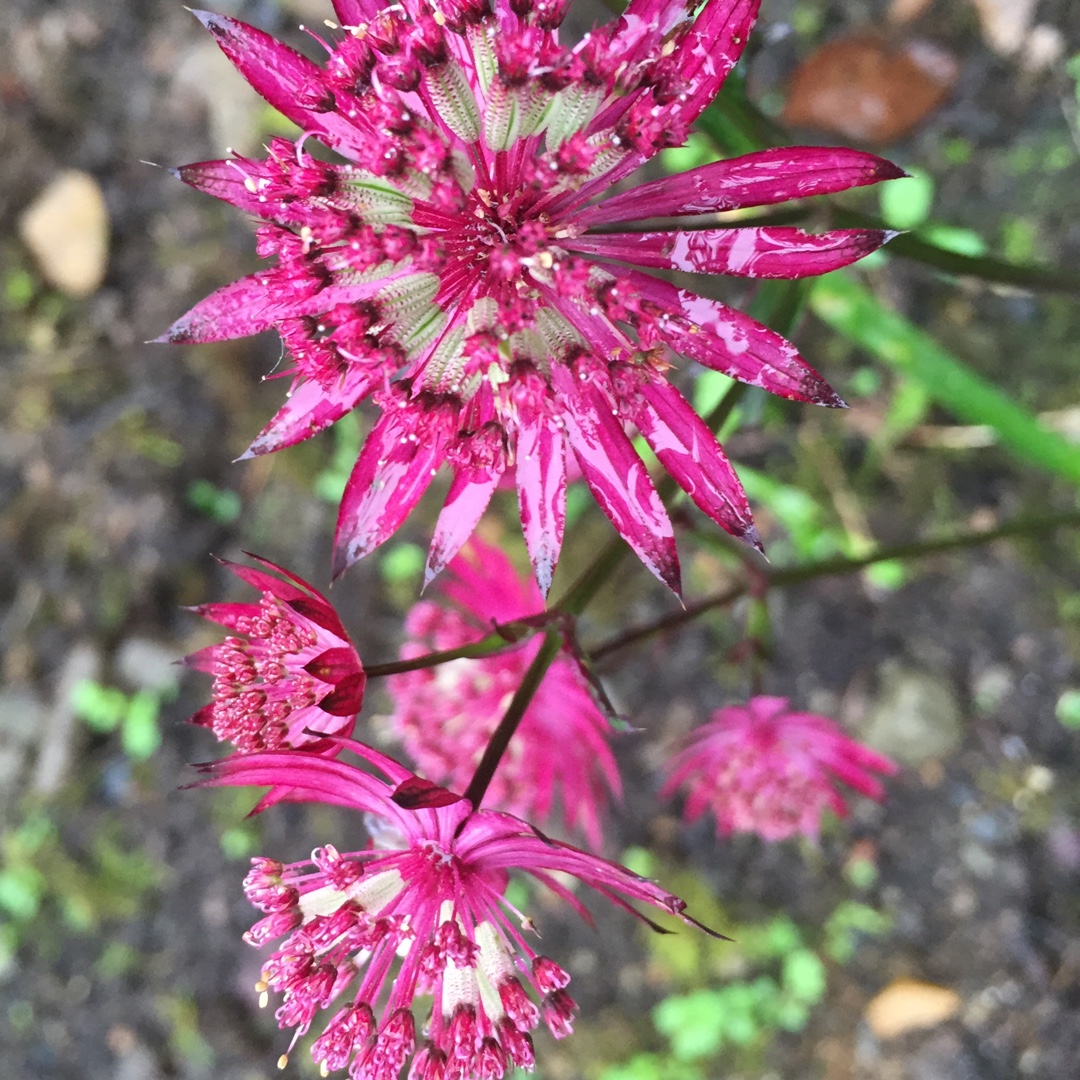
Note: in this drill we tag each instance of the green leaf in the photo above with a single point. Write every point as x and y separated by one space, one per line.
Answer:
218 504
21 890
955 239
693 1022
1068 710
101 707
906 203
804 976
402 563
141 735
851 310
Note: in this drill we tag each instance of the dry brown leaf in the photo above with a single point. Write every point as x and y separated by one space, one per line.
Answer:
907 1005
860 88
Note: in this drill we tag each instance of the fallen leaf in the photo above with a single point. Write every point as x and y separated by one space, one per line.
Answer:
860 88
66 229
907 1005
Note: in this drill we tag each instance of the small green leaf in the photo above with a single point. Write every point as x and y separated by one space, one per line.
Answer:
804 976
906 203
101 707
402 563
639 860
21 889
141 734
694 1023
1067 710
953 238
218 504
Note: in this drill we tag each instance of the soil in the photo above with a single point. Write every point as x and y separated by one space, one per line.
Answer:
116 486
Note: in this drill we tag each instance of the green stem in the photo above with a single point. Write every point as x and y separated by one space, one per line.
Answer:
785 577
507 636
500 740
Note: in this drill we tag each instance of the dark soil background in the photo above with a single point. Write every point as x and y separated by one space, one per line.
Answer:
120 902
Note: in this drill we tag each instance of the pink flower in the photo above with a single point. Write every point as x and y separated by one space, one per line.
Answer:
287 676
448 266
421 911
445 716
763 769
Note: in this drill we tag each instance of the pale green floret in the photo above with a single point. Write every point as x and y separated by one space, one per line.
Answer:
483 315
571 110
609 154
424 328
557 333
377 201
453 101
482 42
444 368
502 117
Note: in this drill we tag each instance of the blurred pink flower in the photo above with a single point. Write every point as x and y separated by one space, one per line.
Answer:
422 911
444 716
764 769
446 264
287 676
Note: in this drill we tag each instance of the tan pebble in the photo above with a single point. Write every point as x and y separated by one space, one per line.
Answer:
66 229
907 1005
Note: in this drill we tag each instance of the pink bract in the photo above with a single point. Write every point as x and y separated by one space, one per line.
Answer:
287 676
762 768
445 264
445 716
421 911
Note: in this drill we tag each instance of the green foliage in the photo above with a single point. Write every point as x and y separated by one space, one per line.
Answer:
106 709
219 504
906 203
853 312
1068 710
39 876
848 924
730 997
330 483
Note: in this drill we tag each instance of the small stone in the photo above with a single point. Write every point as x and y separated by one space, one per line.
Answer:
147 665
1005 23
916 717
907 1005
66 229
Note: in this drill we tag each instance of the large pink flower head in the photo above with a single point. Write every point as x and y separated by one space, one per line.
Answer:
287 675
422 911
448 263
764 769
445 716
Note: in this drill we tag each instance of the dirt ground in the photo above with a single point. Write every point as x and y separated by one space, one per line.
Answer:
120 902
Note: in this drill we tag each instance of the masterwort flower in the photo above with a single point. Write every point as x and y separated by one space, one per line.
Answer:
761 768
456 262
421 912
445 716
287 675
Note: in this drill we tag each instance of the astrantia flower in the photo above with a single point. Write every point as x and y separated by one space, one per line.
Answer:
764 769
287 676
445 716
422 912
448 266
